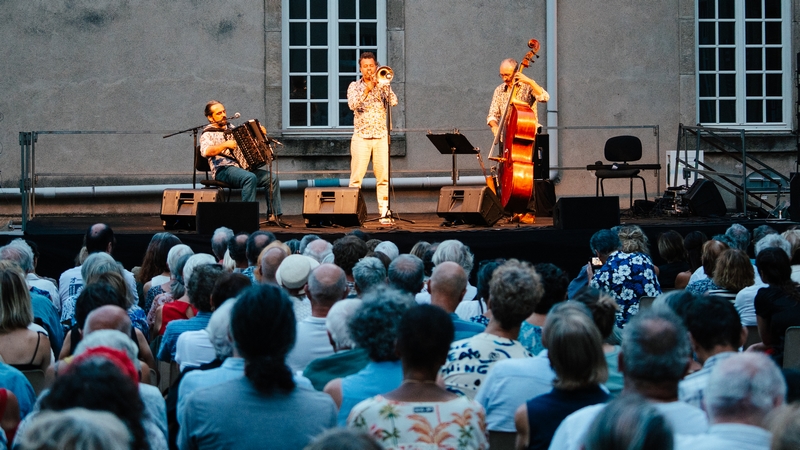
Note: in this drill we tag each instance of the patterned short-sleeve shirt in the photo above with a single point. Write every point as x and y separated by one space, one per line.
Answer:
523 94
627 277
369 112
211 136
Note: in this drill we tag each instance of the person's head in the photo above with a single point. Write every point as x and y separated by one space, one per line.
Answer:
733 270
256 242
373 326
655 349
389 249
112 339
15 301
101 267
693 243
294 271
785 428
602 306
711 251
228 286
793 238
369 273
19 252
99 238
419 249
269 262
201 284
94 296
424 335
670 246
629 422
455 251
774 240
713 324
336 322
486 269
327 284
744 388
633 239
175 254
215 113
554 282
367 63
155 257
406 272
574 347
193 262
307 239
774 266
264 331
108 317
318 249
514 291
177 284
385 260
218 330
344 439
294 246
447 286
219 242
76 429
427 258
507 69
604 243
347 251
739 235
237 248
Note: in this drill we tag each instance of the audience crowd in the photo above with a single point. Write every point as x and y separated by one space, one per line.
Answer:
353 344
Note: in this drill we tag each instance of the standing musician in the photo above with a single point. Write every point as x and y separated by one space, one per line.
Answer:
368 101
528 92
216 146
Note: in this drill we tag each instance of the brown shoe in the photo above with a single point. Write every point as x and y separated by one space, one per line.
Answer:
527 218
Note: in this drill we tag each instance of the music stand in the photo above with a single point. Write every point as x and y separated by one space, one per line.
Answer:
453 144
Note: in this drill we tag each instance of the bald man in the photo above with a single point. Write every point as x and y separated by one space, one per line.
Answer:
447 286
270 261
112 317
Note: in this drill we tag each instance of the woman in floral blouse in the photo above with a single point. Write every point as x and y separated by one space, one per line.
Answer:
420 414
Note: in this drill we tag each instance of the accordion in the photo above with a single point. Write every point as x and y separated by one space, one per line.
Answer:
252 149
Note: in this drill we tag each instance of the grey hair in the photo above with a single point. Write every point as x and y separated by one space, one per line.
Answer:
655 346
407 272
743 384
219 241
739 235
195 260
219 330
336 321
369 273
374 324
318 255
20 252
631 423
307 239
99 263
388 248
75 428
110 338
454 250
175 254
774 240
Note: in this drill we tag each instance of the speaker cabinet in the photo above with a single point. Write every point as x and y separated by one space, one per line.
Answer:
342 206
577 213
476 205
179 206
238 216
541 158
705 200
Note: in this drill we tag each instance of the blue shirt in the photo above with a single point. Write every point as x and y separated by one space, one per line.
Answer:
13 380
44 311
627 277
377 378
174 329
530 336
465 329
231 368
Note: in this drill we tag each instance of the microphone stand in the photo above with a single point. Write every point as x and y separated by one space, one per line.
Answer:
193 130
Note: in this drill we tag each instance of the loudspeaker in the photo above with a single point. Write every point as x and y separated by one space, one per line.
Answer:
576 213
179 206
343 206
705 200
794 196
238 216
541 158
545 198
476 205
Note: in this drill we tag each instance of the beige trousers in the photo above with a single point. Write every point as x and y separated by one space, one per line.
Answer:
361 150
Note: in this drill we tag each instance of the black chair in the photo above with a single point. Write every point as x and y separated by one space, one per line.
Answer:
201 165
621 150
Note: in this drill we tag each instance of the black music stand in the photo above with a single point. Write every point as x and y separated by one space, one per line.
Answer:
453 144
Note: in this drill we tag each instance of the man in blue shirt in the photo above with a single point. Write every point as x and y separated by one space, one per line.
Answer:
447 286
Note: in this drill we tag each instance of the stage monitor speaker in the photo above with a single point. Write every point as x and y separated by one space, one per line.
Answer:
705 200
476 205
794 196
342 206
576 213
541 158
238 216
179 206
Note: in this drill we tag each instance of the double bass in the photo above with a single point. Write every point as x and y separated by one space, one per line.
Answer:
518 128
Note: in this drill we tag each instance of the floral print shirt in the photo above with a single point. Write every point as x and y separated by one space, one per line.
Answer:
524 94
456 424
627 277
369 113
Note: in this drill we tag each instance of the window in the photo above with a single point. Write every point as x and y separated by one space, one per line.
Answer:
322 42
744 63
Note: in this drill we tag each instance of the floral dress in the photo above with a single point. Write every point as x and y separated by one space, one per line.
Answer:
627 277
456 424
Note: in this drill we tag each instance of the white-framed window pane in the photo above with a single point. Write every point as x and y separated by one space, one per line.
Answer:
323 42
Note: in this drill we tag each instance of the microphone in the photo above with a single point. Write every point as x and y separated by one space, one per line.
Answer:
235 116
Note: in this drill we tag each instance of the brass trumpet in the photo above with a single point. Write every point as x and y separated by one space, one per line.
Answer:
384 74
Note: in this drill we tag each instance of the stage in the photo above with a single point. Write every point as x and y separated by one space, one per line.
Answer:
60 237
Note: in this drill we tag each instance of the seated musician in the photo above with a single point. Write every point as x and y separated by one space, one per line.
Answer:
216 146
528 92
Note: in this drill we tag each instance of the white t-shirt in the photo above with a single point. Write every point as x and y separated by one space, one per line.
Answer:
45 285
312 343
193 349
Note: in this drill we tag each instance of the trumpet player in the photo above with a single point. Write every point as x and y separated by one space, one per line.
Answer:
369 97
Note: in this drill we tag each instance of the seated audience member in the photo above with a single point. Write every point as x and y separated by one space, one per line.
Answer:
514 291
326 285
181 307
745 299
389 249
604 310
237 250
716 334
368 274
455 251
486 269
265 409
304 241
632 239
318 251
777 305
693 243
15 381
630 423
194 348
76 429
655 357
293 275
446 288
406 273
344 439
419 249
732 273
742 391
20 252
347 251
9 416
154 270
711 252
219 242
575 351
23 344
671 249
793 237
422 411
256 242
268 262
739 236
373 327
785 428
347 358
199 287
554 282
174 289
